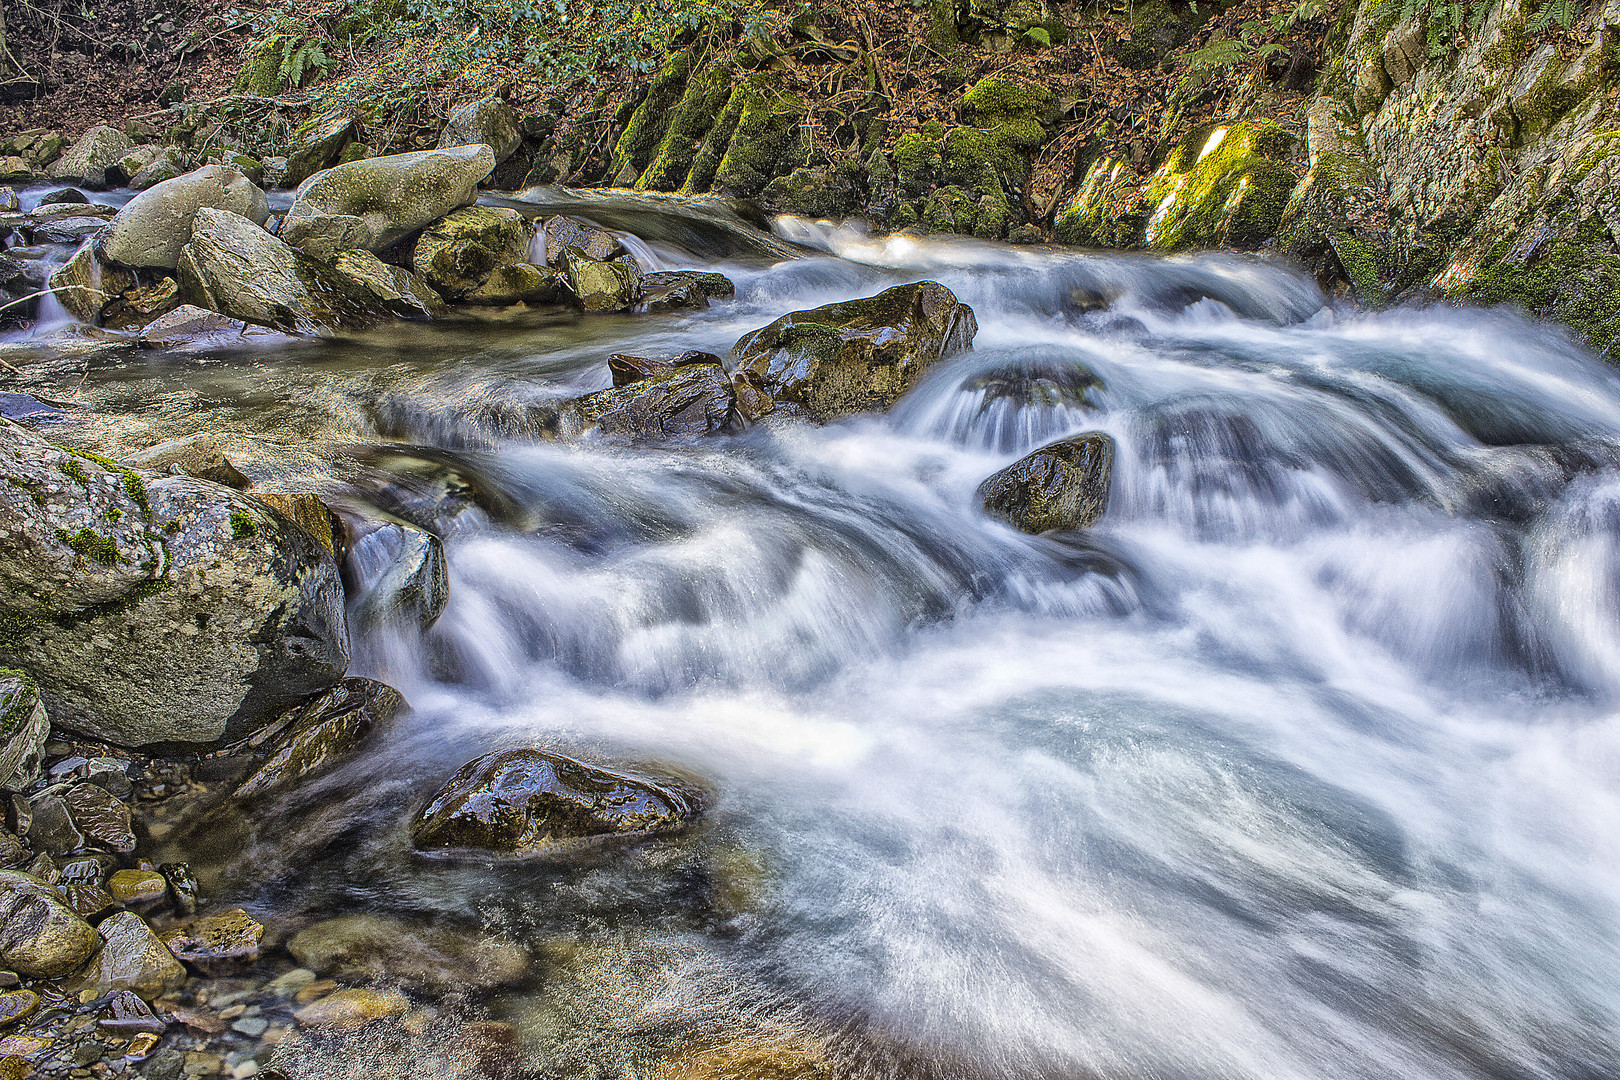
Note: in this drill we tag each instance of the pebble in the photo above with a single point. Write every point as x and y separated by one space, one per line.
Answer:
141 1046
315 990
137 888
251 1026
293 981
17 1004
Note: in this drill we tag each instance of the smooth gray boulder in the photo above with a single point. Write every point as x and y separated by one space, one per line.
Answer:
489 121
158 609
153 226
166 166
99 149
376 202
237 269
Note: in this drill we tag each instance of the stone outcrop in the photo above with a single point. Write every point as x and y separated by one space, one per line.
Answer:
88 161
859 355
158 609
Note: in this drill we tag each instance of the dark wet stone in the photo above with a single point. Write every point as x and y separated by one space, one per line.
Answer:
1039 385
17 1005
709 285
63 195
679 296
562 233
859 355
693 399
127 1014
1061 486
13 852
101 817
525 802
385 949
627 369
40 936
217 945
323 731
182 886
82 884
52 826
140 889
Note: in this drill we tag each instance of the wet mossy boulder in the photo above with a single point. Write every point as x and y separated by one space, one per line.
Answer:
651 120
1335 223
318 734
1225 186
232 266
1107 211
157 609
764 141
380 201
693 117
317 145
531 802
458 253
520 283
602 286
859 355
488 121
395 289
1061 486
153 226
828 192
562 232
24 726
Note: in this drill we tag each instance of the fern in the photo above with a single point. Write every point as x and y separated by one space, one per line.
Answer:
299 57
1217 54
1562 12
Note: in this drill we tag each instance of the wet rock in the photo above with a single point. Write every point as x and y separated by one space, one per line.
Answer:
317 145
380 201
138 307
601 286
139 889
99 149
1061 486
676 296
201 455
489 121
156 610
237 269
458 253
1221 187
767 1056
86 284
182 887
25 408
518 283
561 233
67 230
626 369
153 226
349 1010
132 958
379 948
111 774
13 853
104 820
189 326
323 732
50 824
526 802
396 289
303 509
713 286
690 399
23 730
143 1046
81 884
40 936
9 203
403 574
859 355
127 1014
17 1005
217 945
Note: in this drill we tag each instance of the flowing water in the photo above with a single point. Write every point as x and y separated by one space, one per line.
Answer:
1303 763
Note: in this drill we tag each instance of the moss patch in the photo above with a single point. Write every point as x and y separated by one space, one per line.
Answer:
1222 186
243 526
1576 280
91 545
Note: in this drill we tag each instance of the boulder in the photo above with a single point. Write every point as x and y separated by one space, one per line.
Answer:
489 121
377 202
1060 486
132 163
601 286
131 958
158 609
87 285
458 253
166 166
304 509
153 226
40 936
710 285
217 945
561 233
237 269
531 802
80 881
859 355
685 399
317 145
67 229
322 732
673 296
99 149
519 283
394 288
23 728
379 948
401 577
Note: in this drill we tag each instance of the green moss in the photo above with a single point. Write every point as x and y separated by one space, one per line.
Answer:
713 149
942 31
765 138
114 514
651 118
1016 111
1364 264
91 545
697 112
243 526
1577 281
22 703
261 72
74 471
1221 187
171 526
136 490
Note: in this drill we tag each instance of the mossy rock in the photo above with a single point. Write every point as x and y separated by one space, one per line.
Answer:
458 253
818 193
650 120
261 73
1061 486
1570 273
712 150
1019 112
917 160
694 116
765 139
1221 187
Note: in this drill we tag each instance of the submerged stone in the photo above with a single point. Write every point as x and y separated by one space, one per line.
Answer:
217 945
349 1010
132 958
1061 486
859 355
529 802
322 732
380 948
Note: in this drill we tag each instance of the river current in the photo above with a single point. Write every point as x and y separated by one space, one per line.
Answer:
1303 763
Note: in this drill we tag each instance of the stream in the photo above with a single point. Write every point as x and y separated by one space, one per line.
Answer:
1303 763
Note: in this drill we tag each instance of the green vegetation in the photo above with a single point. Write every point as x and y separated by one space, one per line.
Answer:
243 526
91 545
